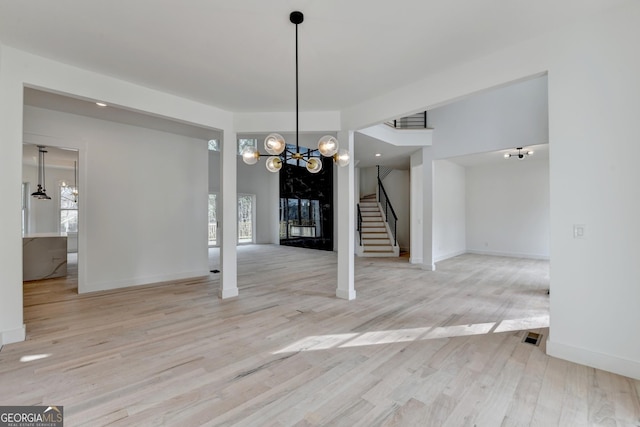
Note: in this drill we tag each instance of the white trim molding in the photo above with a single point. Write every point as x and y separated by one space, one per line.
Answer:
625 367
14 335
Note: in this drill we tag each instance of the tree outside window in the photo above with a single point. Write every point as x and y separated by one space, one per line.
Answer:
245 218
244 143
68 209
246 204
213 221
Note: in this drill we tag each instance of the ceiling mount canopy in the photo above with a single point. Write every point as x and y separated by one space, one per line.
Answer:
275 144
41 193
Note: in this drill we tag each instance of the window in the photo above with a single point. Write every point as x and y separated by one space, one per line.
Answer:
245 218
244 143
214 145
68 209
299 218
302 150
246 221
213 222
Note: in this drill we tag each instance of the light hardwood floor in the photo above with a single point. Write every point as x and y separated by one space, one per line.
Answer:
415 348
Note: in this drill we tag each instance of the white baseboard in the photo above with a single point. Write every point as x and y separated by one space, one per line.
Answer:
627 368
228 293
418 261
139 281
13 335
449 255
508 254
346 294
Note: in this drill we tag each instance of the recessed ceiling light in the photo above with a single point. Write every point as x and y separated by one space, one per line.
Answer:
378 154
101 104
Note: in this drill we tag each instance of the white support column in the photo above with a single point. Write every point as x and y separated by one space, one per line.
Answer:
346 222
427 209
415 201
422 208
228 217
12 328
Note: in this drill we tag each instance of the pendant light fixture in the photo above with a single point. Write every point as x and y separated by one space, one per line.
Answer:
521 154
75 182
276 147
41 193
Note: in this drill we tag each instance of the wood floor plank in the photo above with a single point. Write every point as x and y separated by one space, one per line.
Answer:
575 404
415 348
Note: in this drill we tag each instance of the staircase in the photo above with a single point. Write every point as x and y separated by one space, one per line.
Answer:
377 241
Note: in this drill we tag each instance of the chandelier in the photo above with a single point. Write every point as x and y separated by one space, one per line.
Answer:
276 147
41 193
521 154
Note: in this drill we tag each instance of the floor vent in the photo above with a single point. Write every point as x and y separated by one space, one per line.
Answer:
532 338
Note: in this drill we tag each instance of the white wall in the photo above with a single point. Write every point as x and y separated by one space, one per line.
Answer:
507 117
449 201
143 210
504 117
253 179
368 181
594 102
17 69
507 208
398 189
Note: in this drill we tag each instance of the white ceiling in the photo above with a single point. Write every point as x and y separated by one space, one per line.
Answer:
395 157
239 55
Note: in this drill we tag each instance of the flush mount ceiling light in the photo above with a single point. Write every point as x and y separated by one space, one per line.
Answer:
41 193
276 147
521 154
101 104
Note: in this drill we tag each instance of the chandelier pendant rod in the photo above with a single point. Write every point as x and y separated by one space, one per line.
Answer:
297 103
40 168
43 176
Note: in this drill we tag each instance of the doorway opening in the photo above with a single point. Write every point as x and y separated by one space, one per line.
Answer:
50 207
